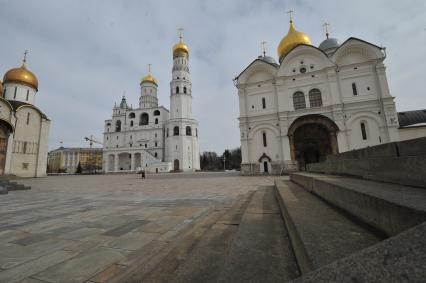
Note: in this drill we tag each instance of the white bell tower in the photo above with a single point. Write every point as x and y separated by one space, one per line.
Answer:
182 130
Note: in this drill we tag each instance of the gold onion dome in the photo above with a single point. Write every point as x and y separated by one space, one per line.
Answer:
180 49
149 78
291 40
21 75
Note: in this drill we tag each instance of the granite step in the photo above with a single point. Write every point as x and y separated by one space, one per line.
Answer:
205 260
319 233
261 250
389 208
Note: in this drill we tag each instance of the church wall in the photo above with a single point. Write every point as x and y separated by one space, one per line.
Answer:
26 143
21 93
412 133
5 111
43 149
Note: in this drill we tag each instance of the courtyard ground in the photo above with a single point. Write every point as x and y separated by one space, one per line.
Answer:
71 228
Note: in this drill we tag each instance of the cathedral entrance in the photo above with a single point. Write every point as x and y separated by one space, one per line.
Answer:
4 135
176 165
312 138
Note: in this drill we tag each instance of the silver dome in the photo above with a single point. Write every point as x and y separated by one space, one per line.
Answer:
329 43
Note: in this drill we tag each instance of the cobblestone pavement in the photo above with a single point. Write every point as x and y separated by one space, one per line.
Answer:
71 228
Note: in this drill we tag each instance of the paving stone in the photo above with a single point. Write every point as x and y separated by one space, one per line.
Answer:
82 267
126 228
35 266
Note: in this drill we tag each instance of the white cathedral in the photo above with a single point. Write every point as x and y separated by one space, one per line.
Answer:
24 128
150 137
317 101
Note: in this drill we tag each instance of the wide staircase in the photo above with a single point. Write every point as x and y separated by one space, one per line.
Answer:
307 228
7 185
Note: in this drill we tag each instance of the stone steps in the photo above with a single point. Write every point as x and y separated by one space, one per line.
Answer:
261 250
319 233
6 186
389 208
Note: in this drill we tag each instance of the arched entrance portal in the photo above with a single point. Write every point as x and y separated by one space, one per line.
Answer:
265 164
312 137
176 165
5 130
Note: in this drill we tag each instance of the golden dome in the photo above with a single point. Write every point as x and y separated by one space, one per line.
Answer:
180 49
291 40
149 79
21 75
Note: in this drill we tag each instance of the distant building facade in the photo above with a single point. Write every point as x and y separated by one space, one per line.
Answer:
150 137
316 101
24 128
66 160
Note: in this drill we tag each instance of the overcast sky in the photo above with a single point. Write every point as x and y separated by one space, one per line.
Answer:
87 53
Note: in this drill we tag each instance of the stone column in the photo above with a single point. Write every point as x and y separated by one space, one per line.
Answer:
132 162
116 163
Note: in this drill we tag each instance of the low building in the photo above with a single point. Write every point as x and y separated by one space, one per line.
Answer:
66 160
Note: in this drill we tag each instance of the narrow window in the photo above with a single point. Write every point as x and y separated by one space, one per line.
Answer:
155 154
118 126
177 89
363 131
315 99
299 100
146 145
156 121
264 139
176 131
263 103
188 131
354 90
28 94
28 118
16 89
155 144
131 123
184 89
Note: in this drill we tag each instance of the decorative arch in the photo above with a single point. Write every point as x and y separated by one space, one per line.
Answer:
132 115
312 138
188 131
261 127
157 113
357 46
255 67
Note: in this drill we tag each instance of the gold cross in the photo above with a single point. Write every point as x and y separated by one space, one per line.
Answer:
149 68
180 34
264 47
290 12
326 25
25 56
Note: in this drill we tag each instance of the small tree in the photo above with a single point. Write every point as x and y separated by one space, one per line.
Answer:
78 171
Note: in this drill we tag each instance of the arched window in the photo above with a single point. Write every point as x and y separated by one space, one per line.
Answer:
315 99
176 131
177 89
264 139
354 89
118 126
131 123
157 113
263 103
144 119
132 115
196 132
184 89
156 121
363 131
299 100
167 132
155 154
188 131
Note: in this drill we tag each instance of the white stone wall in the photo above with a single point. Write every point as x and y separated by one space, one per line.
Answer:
23 93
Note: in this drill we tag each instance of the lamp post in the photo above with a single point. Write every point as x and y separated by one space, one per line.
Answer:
224 162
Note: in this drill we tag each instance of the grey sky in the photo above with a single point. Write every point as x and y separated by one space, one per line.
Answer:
86 53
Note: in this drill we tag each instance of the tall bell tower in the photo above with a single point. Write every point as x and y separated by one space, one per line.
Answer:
182 129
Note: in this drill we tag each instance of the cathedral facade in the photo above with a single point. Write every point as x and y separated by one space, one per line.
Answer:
24 128
151 137
314 101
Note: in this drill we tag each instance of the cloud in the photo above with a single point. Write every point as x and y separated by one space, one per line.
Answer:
86 53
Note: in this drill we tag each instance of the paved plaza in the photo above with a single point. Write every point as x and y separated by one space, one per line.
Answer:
78 228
